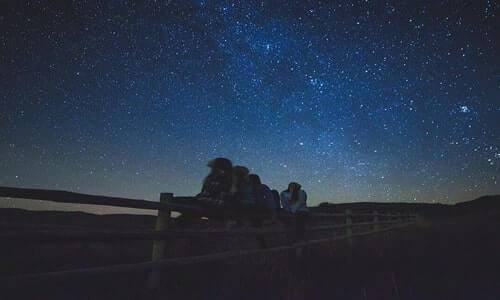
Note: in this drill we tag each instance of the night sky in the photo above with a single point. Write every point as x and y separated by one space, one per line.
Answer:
357 101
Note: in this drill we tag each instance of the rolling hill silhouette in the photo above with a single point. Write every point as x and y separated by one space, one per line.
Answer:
491 202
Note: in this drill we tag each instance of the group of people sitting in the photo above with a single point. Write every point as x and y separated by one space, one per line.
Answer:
234 187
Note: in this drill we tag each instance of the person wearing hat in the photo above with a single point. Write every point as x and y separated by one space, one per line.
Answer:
217 183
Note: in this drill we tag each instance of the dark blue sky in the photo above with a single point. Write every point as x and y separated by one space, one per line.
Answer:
358 100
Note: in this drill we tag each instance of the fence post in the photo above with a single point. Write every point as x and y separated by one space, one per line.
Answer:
376 226
348 221
162 221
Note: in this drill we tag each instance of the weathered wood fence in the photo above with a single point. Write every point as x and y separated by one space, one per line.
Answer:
167 204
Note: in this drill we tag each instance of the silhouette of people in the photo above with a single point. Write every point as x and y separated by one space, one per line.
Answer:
263 196
218 182
234 187
242 193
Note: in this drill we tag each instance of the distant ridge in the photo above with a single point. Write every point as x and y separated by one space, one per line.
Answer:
73 219
484 202
490 202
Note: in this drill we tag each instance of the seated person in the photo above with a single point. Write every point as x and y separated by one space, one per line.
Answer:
218 182
242 193
263 196
216 185
294 199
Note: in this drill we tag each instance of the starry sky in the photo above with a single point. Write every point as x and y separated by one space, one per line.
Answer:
356 100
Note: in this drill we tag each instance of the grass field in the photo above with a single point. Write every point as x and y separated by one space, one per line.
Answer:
440 257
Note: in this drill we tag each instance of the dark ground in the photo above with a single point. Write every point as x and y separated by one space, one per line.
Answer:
453 252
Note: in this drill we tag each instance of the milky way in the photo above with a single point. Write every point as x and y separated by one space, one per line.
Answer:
358 101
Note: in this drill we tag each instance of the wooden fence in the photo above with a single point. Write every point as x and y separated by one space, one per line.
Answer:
167 204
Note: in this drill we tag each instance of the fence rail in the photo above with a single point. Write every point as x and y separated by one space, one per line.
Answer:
162 232
79 198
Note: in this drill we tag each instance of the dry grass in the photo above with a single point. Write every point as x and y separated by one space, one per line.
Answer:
439 258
